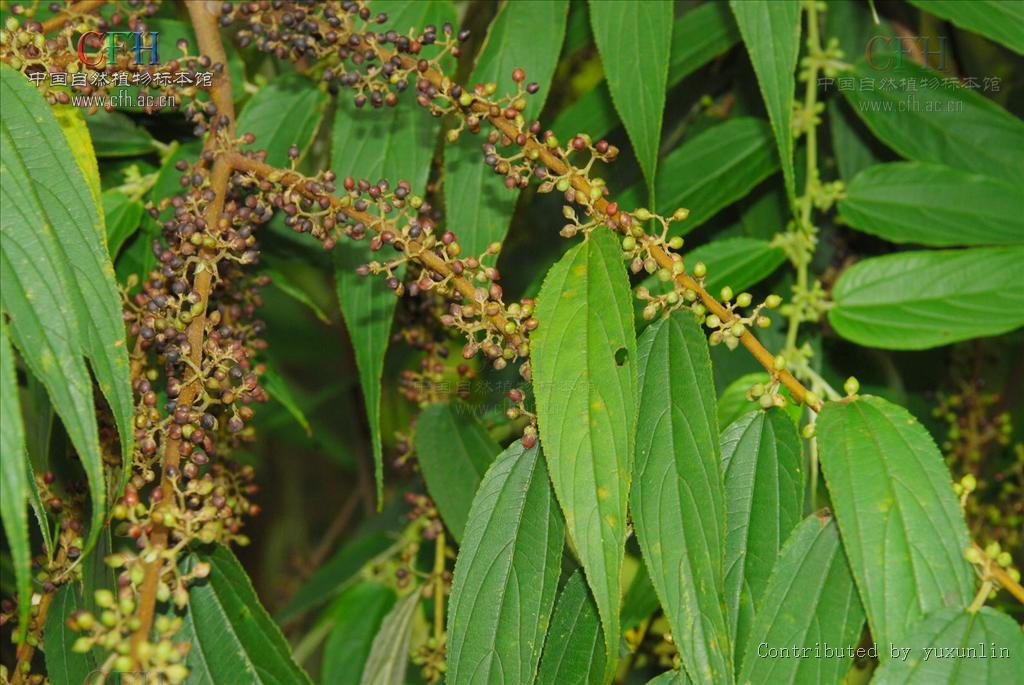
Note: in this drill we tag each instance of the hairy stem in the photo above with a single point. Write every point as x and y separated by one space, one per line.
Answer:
204 21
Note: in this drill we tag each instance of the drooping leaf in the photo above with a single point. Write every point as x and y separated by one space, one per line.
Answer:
584 371
15 481
454 451
527 35
59 290
63 665
938 123
233 638
764 494
115 135
678 497
72 123
809 604
916 300
389 655
636 38
902 527
357 615
360 141
640 600
771 33
284 282
123 216
506 574
278 388
711 171
1003 22
335 574
285 112
931 204
698 36
574 648
951 646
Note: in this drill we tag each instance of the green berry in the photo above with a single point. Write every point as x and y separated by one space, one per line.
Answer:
744 299
772 301
726 294
851 386
629 243
700 270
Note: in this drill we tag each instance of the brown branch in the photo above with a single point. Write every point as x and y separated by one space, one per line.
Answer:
204 22
1001 576
414 248
58 20
26 650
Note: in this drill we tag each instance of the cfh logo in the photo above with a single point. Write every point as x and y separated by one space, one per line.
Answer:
886 52
134 42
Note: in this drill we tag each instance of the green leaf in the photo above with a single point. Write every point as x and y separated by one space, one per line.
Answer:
64 666
584 371
698 36
284 282
902 526
573 648
357 614
636 38
360 141
526 35
671 678
916 300
454 451
737 262
15 483
116 135
59 287
285 112
936 123
335 575
931 204
764 492
640 600
977 642
711 171
279 390
233 638
810 602
72 123
123 216
678 497
1002 22
389 655
771 32
506 574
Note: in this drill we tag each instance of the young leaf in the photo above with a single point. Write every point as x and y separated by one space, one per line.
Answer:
335 575
764 492
115 135
935 123
389 655
635 38
573 653
1002 22
771 32
506 574
584 370
711 171
285 112
698 36
902 527
15 480
65 666
988 648
233 638
279 390
678 498
916 300
454 451
360 140
61 294
357 614
810 602
123 216
527 35
931 204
